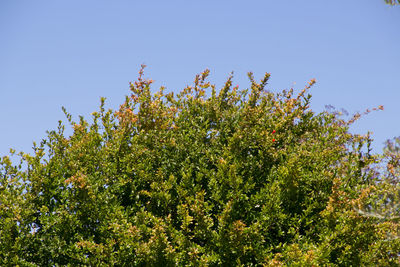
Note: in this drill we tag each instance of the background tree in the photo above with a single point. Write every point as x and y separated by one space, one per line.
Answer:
383 200
240 177
392 2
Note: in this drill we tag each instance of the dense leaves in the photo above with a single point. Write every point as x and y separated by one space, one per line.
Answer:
206 177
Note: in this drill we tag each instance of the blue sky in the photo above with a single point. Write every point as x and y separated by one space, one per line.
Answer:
70 53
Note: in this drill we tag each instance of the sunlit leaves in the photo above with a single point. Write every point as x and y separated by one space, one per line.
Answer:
202 177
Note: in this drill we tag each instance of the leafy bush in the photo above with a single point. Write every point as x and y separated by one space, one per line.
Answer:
235 177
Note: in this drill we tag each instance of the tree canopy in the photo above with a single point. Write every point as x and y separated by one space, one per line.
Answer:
392 2
203 177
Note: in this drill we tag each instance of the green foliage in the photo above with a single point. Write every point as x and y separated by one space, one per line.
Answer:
235 177
392 2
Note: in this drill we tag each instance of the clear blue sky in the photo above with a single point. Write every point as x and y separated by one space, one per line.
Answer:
69 53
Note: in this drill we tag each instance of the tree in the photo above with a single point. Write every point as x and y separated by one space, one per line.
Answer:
392 2
240 177
383 200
